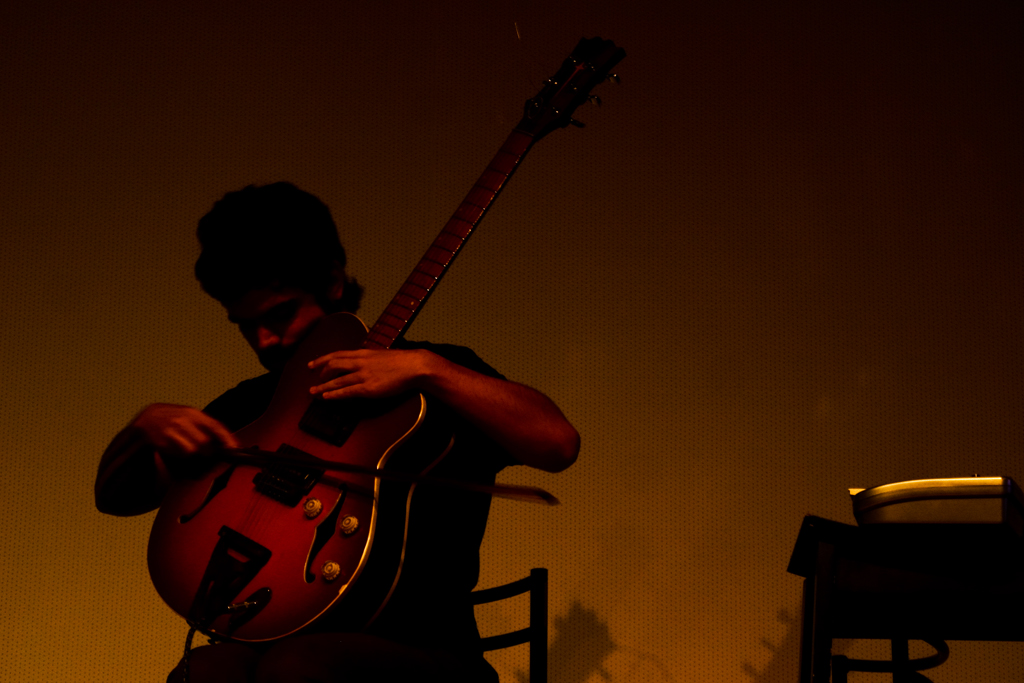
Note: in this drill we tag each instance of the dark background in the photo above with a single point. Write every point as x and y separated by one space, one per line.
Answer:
783 259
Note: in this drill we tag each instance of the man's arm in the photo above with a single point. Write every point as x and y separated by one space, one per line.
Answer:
522 420
132 478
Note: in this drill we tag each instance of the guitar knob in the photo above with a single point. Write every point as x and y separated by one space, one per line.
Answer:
312 508
330 570
349 525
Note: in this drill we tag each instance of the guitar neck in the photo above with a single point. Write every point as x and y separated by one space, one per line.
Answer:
552 108
402 310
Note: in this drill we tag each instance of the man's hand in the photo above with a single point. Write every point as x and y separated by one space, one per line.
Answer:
131 480
364 373
181 431
521 420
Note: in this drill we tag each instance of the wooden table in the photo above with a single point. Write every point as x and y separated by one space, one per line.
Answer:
915 582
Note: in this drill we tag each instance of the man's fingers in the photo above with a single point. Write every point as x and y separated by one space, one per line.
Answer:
336 383
336 367
178 444
341 356
230 440
182 431
324 360
217 432
193 431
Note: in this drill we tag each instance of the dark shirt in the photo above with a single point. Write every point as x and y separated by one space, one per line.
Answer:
430 607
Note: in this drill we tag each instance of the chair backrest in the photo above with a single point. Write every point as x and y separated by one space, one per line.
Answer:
536 634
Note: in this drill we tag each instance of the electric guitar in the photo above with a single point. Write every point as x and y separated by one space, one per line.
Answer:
258 552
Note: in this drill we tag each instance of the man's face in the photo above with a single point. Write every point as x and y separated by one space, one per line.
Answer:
274 321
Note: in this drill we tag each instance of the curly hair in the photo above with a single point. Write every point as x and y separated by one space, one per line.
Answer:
271 236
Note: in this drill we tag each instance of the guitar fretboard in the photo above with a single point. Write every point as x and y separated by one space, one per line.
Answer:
428 272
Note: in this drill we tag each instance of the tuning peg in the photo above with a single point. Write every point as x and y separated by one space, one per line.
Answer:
594 99
578 124
614 78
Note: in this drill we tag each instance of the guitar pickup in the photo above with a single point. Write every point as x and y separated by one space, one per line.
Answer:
287 483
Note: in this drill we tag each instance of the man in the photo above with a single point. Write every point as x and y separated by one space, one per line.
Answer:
271 256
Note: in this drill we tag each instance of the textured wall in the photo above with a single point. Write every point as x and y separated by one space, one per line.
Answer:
784 258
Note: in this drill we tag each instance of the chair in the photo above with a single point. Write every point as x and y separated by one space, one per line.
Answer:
536 634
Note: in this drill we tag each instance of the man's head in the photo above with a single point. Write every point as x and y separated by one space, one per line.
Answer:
272 257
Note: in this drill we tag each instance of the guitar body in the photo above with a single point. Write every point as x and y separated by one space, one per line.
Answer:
199 568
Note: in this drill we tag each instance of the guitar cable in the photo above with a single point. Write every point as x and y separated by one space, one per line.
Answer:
188 652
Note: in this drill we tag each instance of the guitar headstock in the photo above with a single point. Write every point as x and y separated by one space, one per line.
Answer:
555 104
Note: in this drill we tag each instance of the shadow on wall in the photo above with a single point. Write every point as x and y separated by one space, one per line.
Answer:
582 643
785 662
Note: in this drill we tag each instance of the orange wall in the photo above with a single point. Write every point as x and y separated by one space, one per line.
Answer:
783 259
